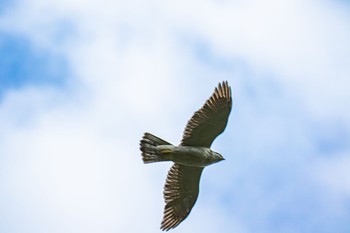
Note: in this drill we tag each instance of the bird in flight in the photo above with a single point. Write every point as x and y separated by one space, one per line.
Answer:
190 157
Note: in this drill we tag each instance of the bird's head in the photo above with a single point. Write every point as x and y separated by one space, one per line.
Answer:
217 157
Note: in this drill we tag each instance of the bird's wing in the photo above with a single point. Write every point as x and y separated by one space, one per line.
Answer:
209 121
180 193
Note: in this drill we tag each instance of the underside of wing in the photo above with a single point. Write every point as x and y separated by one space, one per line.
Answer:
209 121
180 194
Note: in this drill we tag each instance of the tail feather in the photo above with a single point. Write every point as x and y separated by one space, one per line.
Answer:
148 146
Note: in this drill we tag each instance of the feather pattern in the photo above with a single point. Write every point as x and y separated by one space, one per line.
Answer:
209 121
180 194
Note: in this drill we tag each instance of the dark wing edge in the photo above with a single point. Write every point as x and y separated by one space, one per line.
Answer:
209 121
180 194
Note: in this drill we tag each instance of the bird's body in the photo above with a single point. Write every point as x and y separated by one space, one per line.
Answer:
186 155
190 157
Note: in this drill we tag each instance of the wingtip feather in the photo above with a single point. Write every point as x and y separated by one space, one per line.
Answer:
224 89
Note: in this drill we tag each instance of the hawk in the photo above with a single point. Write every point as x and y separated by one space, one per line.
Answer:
190 157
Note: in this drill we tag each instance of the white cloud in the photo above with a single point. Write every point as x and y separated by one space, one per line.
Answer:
70 156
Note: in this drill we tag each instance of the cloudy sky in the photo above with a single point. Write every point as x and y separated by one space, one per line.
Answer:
80 81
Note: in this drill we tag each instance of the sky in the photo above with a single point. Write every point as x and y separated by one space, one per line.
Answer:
81 81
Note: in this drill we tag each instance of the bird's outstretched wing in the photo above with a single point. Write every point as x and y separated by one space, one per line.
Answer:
209 121
180 193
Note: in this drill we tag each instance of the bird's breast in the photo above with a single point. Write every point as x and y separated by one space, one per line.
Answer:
192 156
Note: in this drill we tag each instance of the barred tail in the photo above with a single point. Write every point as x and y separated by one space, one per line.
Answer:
148 146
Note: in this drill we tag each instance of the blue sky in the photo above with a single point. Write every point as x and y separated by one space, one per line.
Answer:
22 65
80 81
